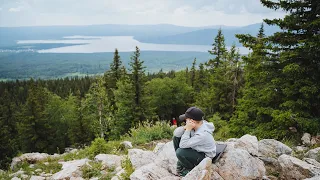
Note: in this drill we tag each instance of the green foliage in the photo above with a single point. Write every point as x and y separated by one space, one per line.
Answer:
222 130
168 96
5 175
148 132
129 169
91 170
98 146
80 154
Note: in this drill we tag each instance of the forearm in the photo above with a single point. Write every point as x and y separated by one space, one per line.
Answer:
184 142
179 131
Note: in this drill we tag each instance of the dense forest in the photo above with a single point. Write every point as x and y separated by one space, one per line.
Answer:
274 92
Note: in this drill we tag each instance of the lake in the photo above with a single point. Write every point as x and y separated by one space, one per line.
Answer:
98 44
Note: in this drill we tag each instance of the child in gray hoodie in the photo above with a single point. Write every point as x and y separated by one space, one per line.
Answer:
194 141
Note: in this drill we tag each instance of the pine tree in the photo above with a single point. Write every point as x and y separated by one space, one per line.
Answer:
138 80
193 73
33 125
296 49
112 76
218 50
97 108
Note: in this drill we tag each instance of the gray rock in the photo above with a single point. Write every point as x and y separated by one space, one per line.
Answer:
166 158
150 172
293 168
109 160
158 147
306 139
232 140
127 144
314 154
311 161
38 170
118 175
239 164
273 148
201 171
37 178
15 178
76 178
170 178
24 176
70 169
313 178
248 143
20 172
300 149
29 157
140 158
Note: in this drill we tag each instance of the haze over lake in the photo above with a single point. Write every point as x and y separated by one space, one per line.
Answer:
98 44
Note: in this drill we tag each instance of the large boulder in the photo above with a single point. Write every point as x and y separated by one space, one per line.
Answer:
31 158
314 154
140 158
306 139
151 172
70 169
273 148
293 168
239 164
109 160
166 158
202 171
248 143
311 161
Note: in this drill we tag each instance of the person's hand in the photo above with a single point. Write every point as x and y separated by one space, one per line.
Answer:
190 125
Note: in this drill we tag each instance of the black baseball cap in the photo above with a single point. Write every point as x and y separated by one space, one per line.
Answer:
192 113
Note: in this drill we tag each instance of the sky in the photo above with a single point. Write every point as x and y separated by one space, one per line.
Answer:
177 12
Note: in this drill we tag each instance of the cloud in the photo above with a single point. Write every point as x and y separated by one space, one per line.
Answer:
179 12
18 9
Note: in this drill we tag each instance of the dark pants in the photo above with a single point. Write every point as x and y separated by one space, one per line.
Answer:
188 158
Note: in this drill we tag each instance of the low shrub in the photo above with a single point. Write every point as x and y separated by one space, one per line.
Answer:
148 132
127 166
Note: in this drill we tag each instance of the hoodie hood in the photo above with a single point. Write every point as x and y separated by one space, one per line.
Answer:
205 127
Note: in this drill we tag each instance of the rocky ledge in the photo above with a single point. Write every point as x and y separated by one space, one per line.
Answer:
244 158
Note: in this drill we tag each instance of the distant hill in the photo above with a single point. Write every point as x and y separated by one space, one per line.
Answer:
9 35
161 33
206 36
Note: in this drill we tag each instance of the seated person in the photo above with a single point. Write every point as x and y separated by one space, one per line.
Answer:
194 141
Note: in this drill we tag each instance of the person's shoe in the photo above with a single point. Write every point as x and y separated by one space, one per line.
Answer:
180 168
184 172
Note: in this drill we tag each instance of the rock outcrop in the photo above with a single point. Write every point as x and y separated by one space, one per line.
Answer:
109 160
70 169
244 158
293 168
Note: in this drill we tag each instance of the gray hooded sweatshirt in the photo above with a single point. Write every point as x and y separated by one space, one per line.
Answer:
200 140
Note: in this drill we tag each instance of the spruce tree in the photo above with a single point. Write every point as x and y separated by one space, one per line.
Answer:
112 76
193 73
297 51
218 50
